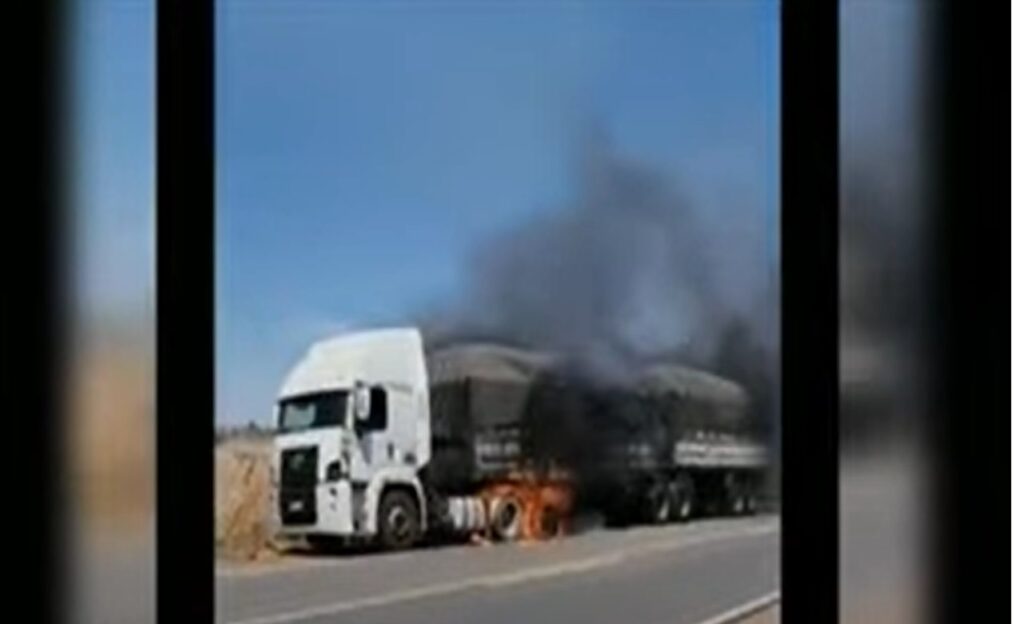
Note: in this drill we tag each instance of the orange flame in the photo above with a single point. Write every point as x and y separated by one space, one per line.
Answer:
545 503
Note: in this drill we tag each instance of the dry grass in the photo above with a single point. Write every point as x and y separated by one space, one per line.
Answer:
244 495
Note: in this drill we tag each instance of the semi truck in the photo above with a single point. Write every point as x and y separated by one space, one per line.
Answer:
379 440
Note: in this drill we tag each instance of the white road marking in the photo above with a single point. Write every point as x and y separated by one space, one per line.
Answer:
743 610
509 578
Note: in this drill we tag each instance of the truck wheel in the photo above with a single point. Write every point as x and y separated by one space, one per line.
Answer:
682 509
682 498
659 504
735 494
737 502
398 520
751 504
507 518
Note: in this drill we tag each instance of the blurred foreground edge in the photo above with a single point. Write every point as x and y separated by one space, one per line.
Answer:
969 413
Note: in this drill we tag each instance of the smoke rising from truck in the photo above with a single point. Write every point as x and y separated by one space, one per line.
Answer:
622 275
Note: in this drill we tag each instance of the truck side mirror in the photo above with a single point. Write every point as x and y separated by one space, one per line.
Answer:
361 396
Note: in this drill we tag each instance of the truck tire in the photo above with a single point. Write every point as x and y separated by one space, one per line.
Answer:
658 504
734 495
683 499
398 520
736 504
751 504
507 518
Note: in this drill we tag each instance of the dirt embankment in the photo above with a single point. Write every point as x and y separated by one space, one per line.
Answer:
244 495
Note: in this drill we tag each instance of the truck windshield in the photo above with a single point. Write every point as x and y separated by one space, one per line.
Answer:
312 411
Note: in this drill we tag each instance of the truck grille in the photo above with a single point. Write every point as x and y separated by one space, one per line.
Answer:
297 506
299 467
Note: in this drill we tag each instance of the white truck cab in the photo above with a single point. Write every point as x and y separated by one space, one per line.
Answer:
353 430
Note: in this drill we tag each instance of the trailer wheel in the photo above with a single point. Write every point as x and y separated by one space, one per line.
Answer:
398 520
659 503
683 499
735 494
737 503
751 504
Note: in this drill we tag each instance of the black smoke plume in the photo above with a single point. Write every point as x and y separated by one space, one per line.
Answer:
621 275
625 274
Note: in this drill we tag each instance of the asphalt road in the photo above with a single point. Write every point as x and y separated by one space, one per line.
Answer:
689 574
112 578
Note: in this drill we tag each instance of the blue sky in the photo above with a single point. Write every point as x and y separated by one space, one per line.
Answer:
114 159
363 149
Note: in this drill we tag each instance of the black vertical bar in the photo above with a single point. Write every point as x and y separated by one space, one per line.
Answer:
810 320
972 174
185 310
33 310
